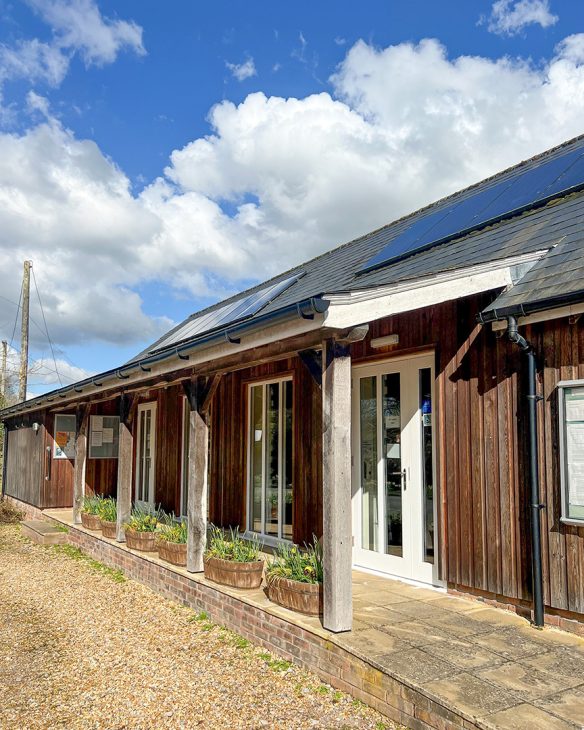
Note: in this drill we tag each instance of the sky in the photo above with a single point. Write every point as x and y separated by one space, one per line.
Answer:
155 158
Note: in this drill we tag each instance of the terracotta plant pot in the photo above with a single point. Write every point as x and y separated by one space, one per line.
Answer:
302 597
236 575
109 529
144 541
172 552
90 522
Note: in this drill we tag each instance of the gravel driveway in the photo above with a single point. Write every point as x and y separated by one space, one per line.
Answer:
81 647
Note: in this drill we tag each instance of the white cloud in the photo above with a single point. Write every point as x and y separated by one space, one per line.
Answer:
242 71
78 28
509 17
79 25
276 182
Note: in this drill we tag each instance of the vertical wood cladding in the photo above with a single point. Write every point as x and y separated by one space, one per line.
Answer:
481 445
228 460
24 462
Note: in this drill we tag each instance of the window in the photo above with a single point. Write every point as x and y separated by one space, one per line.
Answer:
104 436
270 449
65 431
571 429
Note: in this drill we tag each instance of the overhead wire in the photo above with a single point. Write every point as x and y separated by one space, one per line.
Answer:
46 327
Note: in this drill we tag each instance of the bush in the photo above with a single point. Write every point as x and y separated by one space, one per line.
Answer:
92 504
144 520
9 514
234 547
294 563
108 510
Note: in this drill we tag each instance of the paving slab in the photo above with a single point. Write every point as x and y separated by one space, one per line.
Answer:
569 705
472 695
514 643
417 666
564 662
42 532
463 654
529 682
526 717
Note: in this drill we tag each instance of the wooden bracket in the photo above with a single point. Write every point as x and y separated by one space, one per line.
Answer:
312 361
200 391
82 415
126 408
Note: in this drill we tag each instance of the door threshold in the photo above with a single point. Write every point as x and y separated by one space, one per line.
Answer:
439 586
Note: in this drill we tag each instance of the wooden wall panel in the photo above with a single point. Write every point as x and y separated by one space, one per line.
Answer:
24 463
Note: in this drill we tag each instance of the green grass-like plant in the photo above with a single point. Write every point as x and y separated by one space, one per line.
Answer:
232 546
174 531
108 510
144 520
91 504
301 564
75 554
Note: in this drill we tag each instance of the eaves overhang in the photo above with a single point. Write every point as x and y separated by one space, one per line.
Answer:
311 310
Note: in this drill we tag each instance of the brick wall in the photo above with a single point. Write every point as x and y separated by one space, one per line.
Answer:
334 664
30 511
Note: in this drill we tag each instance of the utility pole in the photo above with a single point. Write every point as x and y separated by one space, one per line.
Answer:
24 332
3 380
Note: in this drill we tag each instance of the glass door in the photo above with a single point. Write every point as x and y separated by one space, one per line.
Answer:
393 467
145 455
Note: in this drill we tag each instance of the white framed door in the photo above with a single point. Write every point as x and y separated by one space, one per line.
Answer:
145 455
394 504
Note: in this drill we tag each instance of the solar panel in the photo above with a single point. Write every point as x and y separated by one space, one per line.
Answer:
229 313
487 205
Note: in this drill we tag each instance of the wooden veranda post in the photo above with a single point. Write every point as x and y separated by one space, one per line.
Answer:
199 392
125 455
336 478
80 462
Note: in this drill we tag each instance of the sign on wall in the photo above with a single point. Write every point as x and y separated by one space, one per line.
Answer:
104 437
64 436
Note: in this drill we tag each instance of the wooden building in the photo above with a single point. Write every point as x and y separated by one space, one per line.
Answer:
376 397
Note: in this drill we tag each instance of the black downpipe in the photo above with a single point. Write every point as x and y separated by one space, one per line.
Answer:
536 506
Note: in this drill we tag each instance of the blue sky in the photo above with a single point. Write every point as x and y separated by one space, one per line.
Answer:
154 159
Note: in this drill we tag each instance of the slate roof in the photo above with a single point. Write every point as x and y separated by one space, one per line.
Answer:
555 279
337 270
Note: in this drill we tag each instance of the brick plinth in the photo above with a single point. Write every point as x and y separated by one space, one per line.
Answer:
336 665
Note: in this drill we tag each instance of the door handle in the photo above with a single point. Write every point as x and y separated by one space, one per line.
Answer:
403 475
48 463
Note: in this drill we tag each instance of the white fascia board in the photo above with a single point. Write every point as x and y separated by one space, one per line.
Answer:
353 308
197 356
545 315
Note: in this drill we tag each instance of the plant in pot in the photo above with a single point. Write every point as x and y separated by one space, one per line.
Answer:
141 529
171 542
294 577
90 512
232 560
108 516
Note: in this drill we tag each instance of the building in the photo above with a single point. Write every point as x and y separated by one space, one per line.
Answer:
380 396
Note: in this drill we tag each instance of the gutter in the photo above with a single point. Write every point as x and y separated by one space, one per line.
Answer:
524 310
306 309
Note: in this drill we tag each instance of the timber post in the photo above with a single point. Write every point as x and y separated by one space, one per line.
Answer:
125 455
199 392
80 462
336 478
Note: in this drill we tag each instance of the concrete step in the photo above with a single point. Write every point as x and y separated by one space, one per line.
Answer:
43 533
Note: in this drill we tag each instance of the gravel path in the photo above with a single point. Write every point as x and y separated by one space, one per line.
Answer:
82 647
